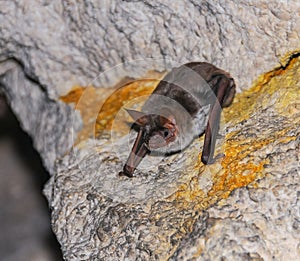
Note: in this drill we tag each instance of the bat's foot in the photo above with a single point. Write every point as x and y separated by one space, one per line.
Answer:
123 173
208 161
127 171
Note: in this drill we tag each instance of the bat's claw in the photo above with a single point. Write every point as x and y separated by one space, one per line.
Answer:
123 173
205 159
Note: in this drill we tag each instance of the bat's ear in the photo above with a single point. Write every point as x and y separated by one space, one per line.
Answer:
139 117
168 122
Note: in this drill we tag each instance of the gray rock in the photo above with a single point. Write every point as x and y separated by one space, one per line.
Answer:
49 122
62 44
46 48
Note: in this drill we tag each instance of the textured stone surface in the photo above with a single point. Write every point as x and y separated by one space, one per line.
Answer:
63 43
169 210
48 47
47 121
59 44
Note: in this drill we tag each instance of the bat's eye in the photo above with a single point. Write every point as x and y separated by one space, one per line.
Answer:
166 133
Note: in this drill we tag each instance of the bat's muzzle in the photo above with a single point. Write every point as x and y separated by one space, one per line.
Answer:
138 152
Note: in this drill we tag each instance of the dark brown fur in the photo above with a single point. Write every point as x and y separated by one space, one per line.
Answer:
184 85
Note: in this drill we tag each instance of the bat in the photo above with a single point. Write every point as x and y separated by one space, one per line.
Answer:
186 103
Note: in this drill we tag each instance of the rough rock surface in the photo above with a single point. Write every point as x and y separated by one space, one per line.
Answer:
48 47
63 43
59 44
176 208
46 120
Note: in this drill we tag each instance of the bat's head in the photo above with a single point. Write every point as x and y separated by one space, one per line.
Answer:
155 133
159 130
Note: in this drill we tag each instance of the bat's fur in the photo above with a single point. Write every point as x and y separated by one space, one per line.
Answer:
182 101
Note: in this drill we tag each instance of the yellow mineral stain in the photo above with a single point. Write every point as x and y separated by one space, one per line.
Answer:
281 81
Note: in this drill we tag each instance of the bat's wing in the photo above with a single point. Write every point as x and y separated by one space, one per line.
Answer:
224 89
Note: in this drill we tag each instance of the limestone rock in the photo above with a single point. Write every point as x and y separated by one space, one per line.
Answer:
48 122
175 208
60 44
65 43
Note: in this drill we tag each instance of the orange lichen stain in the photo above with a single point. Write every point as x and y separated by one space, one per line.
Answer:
118 99
86 100
99 106
74 95
285 60
238 172
239 168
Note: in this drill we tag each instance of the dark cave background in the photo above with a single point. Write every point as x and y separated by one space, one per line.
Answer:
24 215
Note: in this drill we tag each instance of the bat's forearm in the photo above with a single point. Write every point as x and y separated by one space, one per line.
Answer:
223 92
138 152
